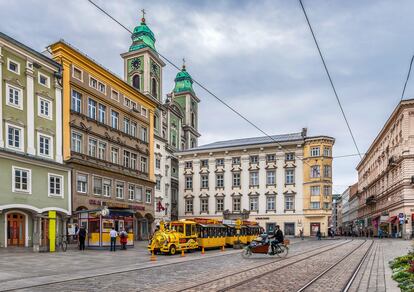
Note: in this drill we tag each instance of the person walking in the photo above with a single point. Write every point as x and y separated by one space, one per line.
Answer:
113 234
82 236
379 233
319 235
301 233
123 238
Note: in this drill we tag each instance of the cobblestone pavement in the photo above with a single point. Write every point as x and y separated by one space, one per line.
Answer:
171 275
214 271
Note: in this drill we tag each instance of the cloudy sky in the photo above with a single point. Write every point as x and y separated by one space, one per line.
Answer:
258 56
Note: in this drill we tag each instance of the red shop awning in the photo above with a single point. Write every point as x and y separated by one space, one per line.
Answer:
392 219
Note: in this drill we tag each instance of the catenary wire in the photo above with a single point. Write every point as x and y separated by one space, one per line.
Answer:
202 86
330 79
408 76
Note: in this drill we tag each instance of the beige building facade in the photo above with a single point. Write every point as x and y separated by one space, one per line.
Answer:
259 179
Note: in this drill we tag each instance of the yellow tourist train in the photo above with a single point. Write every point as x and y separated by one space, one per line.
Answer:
201 233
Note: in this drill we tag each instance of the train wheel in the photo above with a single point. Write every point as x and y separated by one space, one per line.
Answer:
173 250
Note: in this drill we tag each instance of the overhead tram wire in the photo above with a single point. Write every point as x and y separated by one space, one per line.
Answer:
330 79
202 86
408 76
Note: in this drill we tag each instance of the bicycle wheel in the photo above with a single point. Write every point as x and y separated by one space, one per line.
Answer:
246 253
282 250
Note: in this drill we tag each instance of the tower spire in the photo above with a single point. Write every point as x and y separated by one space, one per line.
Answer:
183 63
143 16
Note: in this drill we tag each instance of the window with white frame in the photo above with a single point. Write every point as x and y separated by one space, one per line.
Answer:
127 158
144 134
188 164
315 171
204 181
14 97
127 102
93 82
13 66
254 159
15 139
134 128
289 176
327 191
220 180
158 183
236 179
82 183
127 126
236 204
189 205
144 112
77 73
138 194
92 108
326 205
76 142
119 190
327 171
254 203
219 161
289 203
219 204
107 187
148 196
157 163
115 155
134 158
101 87
102 114
204 163
102 150
327 151
315 190
44 145
76 103
131 192
271 203
92 147
144 164
270 157
55 185
290 156
254 178
315 151
44 80
22 180
97 185
114 119
236 160
44 108
315 205
204 205
188 182
271 177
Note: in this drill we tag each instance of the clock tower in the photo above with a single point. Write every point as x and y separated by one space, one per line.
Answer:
142 64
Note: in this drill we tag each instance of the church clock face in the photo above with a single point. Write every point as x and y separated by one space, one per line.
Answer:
136 63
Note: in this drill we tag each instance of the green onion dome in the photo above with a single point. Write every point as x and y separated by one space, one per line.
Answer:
142 37
183 81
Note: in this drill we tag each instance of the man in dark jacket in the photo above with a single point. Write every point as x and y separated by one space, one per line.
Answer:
82 236
278 237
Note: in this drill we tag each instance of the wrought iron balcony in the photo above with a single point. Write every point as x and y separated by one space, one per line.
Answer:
371 200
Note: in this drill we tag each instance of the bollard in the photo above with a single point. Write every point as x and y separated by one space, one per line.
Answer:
222 248
153 258
182 252
202 250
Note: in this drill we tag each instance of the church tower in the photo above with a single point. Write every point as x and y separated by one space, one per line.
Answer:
183 94
142 65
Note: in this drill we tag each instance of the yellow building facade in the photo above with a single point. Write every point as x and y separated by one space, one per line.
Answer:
317 184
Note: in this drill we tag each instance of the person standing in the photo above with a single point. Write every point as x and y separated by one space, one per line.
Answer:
301 233
82 236
319 234
123 238
113 234
379 233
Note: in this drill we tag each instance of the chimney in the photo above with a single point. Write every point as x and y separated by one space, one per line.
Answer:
304 132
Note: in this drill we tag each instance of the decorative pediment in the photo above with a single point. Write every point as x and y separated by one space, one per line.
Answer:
236 194
253 194
46 130
14 121
204 171
188 196
271 193
204 195
219 195
289 192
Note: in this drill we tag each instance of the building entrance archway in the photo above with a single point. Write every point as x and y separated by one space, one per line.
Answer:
16 229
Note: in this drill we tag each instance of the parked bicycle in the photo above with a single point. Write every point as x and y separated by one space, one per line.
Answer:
62 242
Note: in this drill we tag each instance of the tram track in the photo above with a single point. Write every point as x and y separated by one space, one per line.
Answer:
199 286
348 283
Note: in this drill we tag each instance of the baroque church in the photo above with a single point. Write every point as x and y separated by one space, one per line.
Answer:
175 121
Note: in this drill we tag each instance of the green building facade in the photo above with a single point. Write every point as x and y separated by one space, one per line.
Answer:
34 182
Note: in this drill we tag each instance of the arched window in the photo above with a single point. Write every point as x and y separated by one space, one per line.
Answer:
154 87
136 82
192 119
156 121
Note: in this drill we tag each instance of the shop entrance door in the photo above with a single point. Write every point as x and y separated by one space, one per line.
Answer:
290 229
270 227
314 227
15 229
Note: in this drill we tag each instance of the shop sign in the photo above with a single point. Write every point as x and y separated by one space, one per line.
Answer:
262 218
229 222
116 205
137 207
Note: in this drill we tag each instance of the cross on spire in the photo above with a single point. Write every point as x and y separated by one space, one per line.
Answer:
143 15
183 63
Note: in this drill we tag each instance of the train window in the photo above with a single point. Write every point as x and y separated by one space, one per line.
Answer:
193 229
188 230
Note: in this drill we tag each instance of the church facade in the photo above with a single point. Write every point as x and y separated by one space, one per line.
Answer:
175 120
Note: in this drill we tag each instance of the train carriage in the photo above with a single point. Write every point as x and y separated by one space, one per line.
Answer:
211 235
